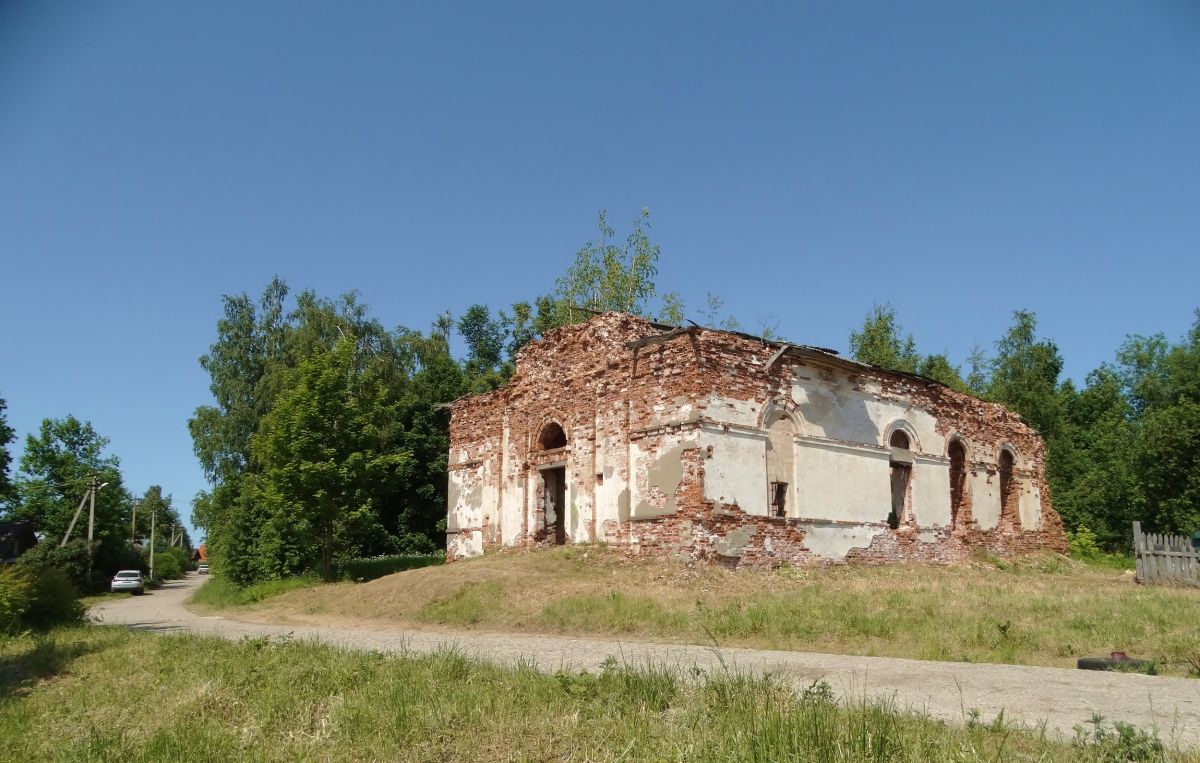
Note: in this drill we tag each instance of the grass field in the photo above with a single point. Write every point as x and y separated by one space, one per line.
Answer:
107 694
1046 611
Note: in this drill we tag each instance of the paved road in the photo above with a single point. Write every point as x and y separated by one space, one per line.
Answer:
947 690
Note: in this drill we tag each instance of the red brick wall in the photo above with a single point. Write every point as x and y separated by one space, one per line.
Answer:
609 382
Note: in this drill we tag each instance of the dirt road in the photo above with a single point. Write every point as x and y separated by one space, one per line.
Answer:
1060 698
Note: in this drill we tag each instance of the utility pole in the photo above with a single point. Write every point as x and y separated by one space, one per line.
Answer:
70 527
94 485
153 515
133 524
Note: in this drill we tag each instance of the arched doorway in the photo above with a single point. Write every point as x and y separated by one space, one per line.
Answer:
553 488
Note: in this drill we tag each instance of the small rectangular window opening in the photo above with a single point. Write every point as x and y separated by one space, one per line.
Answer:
779 499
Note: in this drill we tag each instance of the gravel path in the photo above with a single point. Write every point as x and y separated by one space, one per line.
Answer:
948 690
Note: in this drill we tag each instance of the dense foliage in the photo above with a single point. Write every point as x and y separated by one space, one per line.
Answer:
360 570
1125 447
32 597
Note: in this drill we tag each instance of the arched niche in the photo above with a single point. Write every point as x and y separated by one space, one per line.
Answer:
551 436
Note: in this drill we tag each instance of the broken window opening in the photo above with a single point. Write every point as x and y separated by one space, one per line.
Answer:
552 436
779 499
1007 494
781 464
958 479
901 476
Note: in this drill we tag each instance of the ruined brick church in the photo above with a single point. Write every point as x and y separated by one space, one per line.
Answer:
706 444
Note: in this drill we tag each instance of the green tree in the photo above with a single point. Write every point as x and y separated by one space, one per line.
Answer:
1024 375
672 310
53 477
54 473
325 458
159 506
881 342
978 377
1168 462
1165 388
1097 484
939 368
486 338
258 360
7 436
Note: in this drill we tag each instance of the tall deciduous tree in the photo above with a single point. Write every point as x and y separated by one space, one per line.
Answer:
881 342
53 477
7 435
1025 375
1096 478
327 453
939 368
262 359
1166 387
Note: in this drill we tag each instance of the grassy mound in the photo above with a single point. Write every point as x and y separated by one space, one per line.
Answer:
1043 611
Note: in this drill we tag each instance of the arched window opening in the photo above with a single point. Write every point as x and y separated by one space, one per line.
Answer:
901 471
1007 493
552 437
780 465
958 479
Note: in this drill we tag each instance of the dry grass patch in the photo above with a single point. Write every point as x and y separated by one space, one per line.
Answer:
1042 611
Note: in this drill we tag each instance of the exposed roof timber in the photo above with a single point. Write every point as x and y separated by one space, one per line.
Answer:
783 348
778 354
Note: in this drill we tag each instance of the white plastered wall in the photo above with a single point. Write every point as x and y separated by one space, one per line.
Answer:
736 472
1030 504
985 498
842 482
931 492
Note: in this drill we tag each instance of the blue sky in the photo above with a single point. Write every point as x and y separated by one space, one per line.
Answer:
803 161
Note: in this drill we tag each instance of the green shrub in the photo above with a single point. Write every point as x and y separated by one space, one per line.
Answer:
55 599
72 559
376 567
1083 543
182 556
16 595
167 566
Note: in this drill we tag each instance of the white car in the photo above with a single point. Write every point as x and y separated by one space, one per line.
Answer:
129 580
202 569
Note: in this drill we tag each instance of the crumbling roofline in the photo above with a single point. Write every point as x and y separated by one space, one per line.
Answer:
806 351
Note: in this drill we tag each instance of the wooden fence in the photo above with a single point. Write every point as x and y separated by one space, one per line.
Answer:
1165 558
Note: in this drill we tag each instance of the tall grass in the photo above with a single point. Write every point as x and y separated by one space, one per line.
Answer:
123 696
221 593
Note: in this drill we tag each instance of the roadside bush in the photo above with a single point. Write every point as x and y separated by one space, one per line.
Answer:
55 599
16 594
167 566
377 567
71 559
182 556
36 598
113 557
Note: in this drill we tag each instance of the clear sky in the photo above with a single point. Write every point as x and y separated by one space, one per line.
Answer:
802 160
